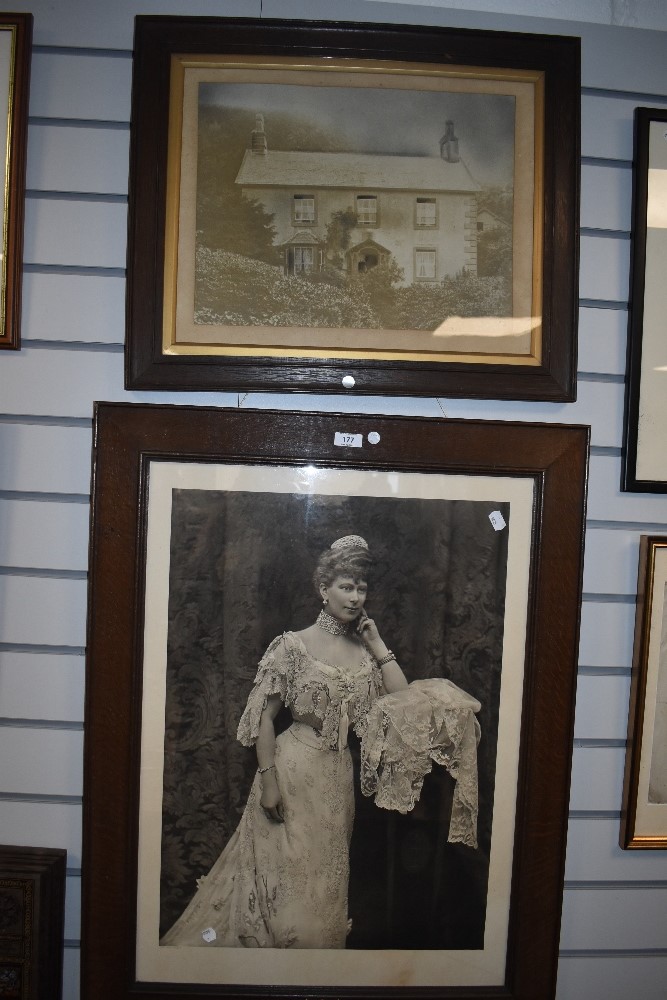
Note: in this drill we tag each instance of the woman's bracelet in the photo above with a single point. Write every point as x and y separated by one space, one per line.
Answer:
263 770
386 659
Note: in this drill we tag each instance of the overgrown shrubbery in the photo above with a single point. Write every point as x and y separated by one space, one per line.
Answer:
423 307
238 291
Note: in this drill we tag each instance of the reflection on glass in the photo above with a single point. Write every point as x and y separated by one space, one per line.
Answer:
657 791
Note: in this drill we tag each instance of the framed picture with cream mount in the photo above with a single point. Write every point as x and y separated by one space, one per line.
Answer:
206 526
392 205
644 811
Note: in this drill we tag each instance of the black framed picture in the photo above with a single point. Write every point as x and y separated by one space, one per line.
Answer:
644 462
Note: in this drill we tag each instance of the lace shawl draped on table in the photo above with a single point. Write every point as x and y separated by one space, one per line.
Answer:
402 734
432 720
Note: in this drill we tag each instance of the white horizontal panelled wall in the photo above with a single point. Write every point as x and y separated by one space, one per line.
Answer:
614 936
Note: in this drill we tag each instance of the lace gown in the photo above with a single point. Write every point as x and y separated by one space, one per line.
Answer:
285 885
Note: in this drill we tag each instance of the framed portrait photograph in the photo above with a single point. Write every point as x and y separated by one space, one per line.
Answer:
644 814
15 53
391 205
32 920
330 688
644 459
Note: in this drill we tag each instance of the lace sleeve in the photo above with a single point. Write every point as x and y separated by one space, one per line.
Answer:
431 720
271 678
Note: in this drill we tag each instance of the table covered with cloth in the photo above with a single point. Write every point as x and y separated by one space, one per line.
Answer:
430 721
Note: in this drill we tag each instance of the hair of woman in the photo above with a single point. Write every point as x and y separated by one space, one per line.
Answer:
347 556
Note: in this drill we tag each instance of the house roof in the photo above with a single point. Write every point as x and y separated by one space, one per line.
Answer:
373 172
303 237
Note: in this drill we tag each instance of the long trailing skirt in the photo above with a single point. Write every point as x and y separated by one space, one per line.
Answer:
282 885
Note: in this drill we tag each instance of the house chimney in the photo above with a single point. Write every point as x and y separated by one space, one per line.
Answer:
449 144
257 137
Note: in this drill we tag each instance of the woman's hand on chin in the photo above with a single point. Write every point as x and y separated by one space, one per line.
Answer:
368 631
393 678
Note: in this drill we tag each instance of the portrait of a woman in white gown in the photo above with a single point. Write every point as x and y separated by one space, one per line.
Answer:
351 720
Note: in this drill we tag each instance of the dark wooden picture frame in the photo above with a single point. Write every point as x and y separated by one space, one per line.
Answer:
644 811
16 31
132 444
644 468
166 348
32 919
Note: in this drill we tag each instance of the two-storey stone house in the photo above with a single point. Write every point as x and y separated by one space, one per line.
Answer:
420 211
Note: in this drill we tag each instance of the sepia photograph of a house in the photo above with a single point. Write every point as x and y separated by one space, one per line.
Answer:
347 211
373 198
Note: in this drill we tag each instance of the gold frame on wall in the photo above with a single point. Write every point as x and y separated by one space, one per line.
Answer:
15 51
644 812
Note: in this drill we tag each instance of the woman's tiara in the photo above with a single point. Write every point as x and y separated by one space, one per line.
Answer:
349 542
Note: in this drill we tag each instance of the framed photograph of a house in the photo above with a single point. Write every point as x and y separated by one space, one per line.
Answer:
396 206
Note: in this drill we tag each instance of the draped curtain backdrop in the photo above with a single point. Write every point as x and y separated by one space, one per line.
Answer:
241 569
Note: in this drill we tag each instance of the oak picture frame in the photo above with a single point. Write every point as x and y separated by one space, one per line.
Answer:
644 808
203 309
542 467
16 43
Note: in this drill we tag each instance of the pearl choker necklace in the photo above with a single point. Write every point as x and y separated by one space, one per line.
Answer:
331 624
